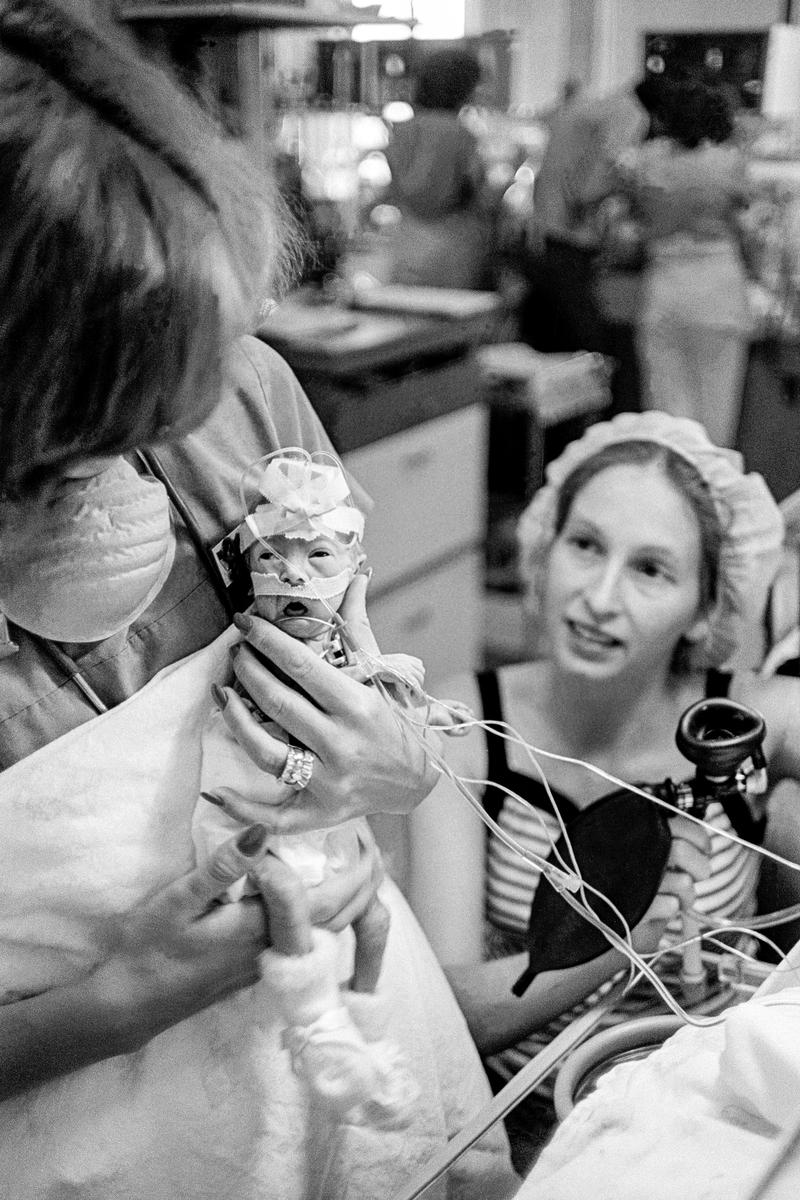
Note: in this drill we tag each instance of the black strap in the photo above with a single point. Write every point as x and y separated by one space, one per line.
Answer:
495 746
499 772
157 469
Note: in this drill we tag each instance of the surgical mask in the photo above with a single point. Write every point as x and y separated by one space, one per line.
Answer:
85 564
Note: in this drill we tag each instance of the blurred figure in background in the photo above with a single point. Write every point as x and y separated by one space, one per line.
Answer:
687 190
570 92
563 310
436 180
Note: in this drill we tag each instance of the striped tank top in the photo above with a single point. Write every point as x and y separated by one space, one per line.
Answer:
729 890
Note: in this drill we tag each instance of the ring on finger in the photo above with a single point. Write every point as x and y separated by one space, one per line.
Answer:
297 768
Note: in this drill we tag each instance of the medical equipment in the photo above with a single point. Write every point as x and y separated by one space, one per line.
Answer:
723 739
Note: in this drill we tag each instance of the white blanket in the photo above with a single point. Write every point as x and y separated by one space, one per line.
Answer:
209 1109
701 1117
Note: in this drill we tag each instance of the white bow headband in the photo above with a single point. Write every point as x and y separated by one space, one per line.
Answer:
305 497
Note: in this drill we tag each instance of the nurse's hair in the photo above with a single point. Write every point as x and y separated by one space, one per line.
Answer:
137 241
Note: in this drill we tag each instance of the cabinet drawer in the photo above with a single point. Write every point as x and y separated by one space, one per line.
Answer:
428 484
438 618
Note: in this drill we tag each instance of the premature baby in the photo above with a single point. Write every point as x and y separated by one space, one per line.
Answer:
302 548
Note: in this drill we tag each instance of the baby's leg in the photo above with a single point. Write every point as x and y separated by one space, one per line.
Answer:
371 930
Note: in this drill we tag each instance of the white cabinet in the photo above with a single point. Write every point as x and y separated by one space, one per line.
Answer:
424 539
438 618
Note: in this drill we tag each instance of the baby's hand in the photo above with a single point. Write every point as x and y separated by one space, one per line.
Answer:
402 674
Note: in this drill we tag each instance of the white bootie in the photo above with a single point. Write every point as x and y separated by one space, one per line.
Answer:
336 1039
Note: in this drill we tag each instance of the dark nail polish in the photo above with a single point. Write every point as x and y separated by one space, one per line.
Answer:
212 799
252 840
219 695
243 621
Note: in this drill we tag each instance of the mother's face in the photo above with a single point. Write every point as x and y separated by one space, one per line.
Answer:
623 576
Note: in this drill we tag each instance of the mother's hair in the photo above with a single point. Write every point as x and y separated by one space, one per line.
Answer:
137 241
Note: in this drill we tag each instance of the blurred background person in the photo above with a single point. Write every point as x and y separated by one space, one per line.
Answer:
687 190
571 304
437 174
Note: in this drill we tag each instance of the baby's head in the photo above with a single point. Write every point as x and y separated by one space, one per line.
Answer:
302 545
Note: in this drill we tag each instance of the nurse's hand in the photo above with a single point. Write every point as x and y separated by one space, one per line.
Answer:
367 757
180 951
166 959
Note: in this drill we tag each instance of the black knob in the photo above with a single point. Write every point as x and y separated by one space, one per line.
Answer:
719 735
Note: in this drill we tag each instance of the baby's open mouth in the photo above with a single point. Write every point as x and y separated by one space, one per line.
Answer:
295 608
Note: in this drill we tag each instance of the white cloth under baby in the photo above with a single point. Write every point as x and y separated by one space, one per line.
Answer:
210 1109
759 1067
696 1118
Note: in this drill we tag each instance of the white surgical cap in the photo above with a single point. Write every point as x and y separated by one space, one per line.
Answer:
751 522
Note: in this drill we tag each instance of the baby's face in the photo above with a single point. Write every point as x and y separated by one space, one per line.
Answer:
298 564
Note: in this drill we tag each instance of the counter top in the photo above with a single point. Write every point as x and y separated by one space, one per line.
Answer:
347 342
241 14
370 374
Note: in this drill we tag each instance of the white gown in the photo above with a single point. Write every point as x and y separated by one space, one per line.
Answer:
89 825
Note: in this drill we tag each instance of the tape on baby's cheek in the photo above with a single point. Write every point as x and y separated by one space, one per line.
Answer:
265 583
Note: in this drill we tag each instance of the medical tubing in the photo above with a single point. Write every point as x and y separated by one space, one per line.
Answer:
636 961
556 875
780 916
74 675
631 787
694 969
497 727
624 946
561 878
736 952
693 976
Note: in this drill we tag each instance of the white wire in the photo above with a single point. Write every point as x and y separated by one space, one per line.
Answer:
623 945
631 787
562 880
566 880
636 961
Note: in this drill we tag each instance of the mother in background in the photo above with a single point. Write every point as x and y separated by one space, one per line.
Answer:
139 1051
647 555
